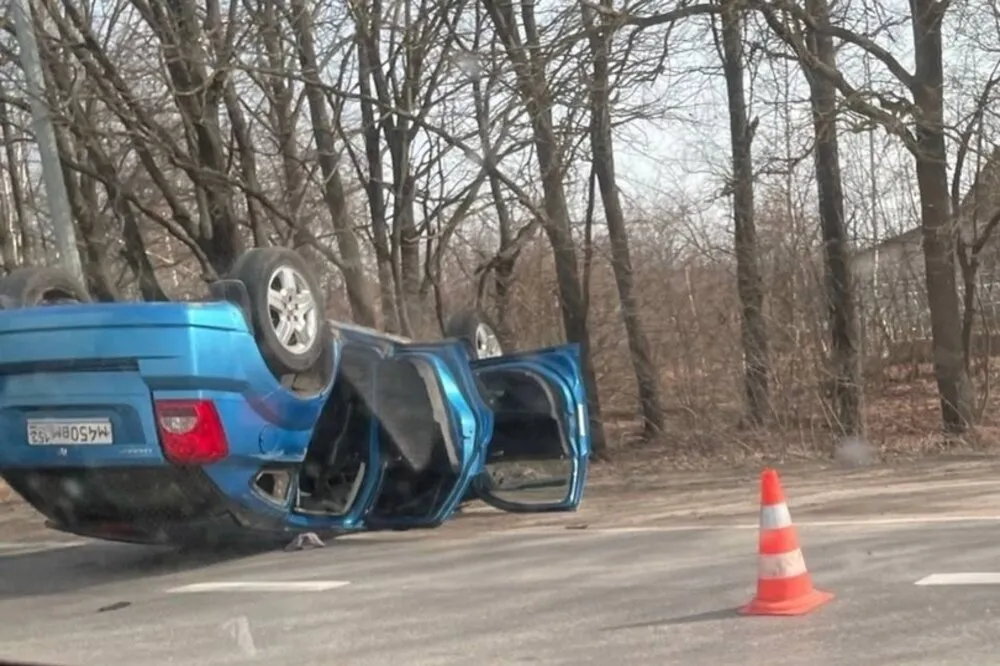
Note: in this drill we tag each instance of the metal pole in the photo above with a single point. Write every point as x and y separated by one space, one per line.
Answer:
45 137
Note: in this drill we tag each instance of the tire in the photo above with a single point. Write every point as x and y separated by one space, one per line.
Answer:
33 287
477 331
284 274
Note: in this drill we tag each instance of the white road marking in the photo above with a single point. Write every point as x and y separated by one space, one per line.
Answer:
17 545
960 579
900 520
261 586
32 547
239 630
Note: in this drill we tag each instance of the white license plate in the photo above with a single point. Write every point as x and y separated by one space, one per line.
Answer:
63 432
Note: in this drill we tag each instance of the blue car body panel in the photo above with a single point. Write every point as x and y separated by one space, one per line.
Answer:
560 366
470 422
116 360
75 354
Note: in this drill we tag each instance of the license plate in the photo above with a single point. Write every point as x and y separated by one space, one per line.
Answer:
63 432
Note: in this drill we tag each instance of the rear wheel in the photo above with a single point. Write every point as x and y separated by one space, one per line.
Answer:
286 308
33 287
476 330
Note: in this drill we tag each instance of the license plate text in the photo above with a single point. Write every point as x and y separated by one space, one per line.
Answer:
63 432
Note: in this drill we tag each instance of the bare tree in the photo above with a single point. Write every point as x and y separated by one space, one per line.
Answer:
407 74
17 195
927 143
503 263
197 92
524 49
602 149
839 289
356 281
368 43
748 280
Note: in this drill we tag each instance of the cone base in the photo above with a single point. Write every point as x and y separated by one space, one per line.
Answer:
797 606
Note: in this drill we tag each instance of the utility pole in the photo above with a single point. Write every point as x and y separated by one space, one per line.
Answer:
45 137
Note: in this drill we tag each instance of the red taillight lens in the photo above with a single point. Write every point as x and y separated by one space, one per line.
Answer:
191 431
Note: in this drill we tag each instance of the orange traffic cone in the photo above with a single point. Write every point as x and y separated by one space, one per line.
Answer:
784 586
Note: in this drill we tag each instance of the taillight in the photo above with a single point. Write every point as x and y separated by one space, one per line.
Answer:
191 431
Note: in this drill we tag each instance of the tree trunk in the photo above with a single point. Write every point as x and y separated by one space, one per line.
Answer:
532 87
222 42
7 255
748 282
282 114
82 193
938 231
574 313
602 148
374 185
197 94
248 163
7 250
405 248
355 280
95 231
89 222
507 253
839 287
29 253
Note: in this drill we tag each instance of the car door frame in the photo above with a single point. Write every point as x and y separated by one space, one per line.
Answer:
561 367
470 421
354 519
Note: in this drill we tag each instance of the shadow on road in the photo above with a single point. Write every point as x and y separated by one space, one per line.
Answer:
80 567
76 568
709 616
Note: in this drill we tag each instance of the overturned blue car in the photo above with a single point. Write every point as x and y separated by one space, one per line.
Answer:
249 417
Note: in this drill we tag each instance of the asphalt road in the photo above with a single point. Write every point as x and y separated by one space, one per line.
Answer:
551 595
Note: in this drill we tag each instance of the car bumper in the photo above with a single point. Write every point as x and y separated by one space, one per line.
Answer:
147 505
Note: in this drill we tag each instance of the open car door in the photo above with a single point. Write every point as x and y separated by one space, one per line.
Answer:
433 424
537 458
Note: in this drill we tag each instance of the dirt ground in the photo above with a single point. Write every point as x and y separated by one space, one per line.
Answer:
632 493
966 485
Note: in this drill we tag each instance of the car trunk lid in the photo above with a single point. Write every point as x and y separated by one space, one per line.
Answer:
75 380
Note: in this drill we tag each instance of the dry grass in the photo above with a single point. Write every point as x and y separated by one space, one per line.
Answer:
902 417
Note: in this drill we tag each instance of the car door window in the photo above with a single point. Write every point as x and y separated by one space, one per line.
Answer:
527 459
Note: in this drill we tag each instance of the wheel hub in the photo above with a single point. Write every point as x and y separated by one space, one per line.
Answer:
487 343
293 310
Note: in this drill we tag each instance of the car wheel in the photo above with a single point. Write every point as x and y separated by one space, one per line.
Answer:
286 308
33 287
474 329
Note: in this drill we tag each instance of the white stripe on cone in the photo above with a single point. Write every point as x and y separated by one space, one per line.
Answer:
786 565
775 517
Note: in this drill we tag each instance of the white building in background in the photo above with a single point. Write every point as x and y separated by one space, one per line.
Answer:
890 275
